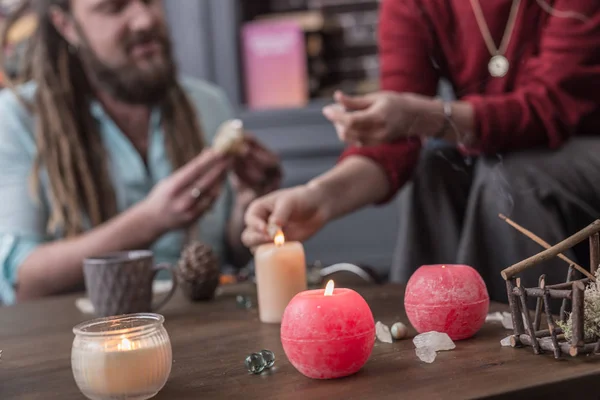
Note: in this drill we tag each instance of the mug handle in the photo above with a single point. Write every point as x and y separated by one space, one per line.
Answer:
157 269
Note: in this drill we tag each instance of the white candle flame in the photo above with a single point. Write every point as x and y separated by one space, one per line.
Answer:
329 288
279 238
125 345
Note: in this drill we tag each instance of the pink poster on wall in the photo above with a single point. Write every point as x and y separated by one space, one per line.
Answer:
274 65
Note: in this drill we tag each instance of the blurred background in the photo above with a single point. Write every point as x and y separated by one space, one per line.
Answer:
279 62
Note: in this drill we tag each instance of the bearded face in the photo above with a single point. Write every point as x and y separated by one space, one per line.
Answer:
124 47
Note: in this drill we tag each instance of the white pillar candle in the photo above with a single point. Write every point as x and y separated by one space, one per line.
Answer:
280 275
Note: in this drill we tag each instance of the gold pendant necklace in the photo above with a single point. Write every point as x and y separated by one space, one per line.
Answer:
498 65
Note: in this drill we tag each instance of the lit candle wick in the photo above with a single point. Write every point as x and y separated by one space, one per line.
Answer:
279 238
329 289
125 345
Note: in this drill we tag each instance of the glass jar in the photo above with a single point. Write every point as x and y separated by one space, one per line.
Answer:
122 357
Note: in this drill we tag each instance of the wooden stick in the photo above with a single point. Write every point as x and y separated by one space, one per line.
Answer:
565 347
563 306
545 332
544 244
538 306
515 341
569 283
594 252
553 251
577 318
555 294
551 326
514 308
528 324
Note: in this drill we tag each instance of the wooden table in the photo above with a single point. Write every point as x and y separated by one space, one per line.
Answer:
211 340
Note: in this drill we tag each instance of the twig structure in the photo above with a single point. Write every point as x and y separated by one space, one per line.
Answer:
526 331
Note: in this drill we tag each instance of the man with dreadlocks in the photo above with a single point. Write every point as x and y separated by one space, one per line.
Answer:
115 148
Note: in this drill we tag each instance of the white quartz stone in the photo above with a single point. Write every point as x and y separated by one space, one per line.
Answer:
435 340
383 332
426 354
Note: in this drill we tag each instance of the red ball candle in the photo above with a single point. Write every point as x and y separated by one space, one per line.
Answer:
328 333
447 298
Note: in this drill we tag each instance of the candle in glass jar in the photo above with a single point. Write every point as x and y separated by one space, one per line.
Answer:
280 275
129 363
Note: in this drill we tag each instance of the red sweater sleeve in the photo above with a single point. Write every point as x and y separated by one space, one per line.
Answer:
405 48
557 90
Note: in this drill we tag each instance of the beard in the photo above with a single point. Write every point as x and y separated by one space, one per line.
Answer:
130 83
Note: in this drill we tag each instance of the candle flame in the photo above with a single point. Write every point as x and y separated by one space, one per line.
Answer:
125 344
279 238
329 288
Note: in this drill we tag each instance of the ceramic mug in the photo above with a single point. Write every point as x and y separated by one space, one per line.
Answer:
121 283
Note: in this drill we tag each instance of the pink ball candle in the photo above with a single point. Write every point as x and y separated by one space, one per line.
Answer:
447 298
328 333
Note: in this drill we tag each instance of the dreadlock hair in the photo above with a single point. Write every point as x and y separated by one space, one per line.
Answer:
67 136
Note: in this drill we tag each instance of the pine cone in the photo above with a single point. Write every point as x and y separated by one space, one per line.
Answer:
198 271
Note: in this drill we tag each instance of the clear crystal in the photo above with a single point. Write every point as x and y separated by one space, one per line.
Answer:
426 354
435 340
269 358
507 322
255 363
504 317
243 301
494 317
505 342
383 333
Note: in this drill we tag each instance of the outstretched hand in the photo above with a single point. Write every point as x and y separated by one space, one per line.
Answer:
297 210
373 118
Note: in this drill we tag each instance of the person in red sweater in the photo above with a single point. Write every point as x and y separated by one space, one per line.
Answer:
521 139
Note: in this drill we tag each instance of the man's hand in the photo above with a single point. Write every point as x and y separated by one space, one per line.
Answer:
182 198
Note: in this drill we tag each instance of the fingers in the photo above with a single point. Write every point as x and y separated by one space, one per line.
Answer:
206 162
351 119
208 186
252 238
353 102
205 202
282 211
275 208
256 232
258 213
356 127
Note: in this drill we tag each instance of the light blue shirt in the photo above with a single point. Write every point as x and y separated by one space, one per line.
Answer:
23 220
